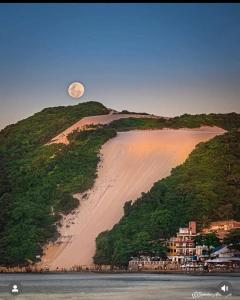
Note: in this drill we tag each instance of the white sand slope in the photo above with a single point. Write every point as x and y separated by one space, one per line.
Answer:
131 163
93 120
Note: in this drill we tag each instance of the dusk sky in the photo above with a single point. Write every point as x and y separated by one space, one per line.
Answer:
156 58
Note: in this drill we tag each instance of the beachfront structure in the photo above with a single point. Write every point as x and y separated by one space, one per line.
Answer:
202 252
221 228
225 256
226 251
181 248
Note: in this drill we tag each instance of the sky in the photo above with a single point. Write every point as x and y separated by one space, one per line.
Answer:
166 59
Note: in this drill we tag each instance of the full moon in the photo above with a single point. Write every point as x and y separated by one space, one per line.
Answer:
76 89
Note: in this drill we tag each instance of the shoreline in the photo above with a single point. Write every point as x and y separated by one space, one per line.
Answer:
117 272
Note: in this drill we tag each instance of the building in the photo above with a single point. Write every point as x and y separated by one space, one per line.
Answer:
226 251
202 252
221 228
225 256
181 248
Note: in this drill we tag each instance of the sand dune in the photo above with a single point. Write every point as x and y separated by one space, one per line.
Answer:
93 120
131 163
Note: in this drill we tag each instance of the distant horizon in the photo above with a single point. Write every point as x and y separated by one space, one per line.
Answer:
164 59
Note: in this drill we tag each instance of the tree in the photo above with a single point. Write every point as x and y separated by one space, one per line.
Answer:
209 240
127 207
157 249
104 249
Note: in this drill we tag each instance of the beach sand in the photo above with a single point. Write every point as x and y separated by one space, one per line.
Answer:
131 163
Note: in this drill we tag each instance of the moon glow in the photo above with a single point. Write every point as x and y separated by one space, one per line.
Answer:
76 90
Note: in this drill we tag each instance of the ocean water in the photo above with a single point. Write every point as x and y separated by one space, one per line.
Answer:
93 286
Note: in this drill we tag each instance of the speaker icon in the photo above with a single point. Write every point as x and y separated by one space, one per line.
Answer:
225 288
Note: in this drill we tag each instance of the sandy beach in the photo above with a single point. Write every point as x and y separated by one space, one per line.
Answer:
131 163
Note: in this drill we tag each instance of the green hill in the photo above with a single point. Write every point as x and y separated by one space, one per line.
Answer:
205 188
37 181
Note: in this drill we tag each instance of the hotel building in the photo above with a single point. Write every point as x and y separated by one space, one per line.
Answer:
181 248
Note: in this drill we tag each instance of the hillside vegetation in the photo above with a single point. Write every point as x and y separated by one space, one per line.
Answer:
205 188
37 181
229 121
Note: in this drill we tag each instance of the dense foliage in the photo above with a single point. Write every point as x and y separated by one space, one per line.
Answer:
205 188
37 181
210 240
229 121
